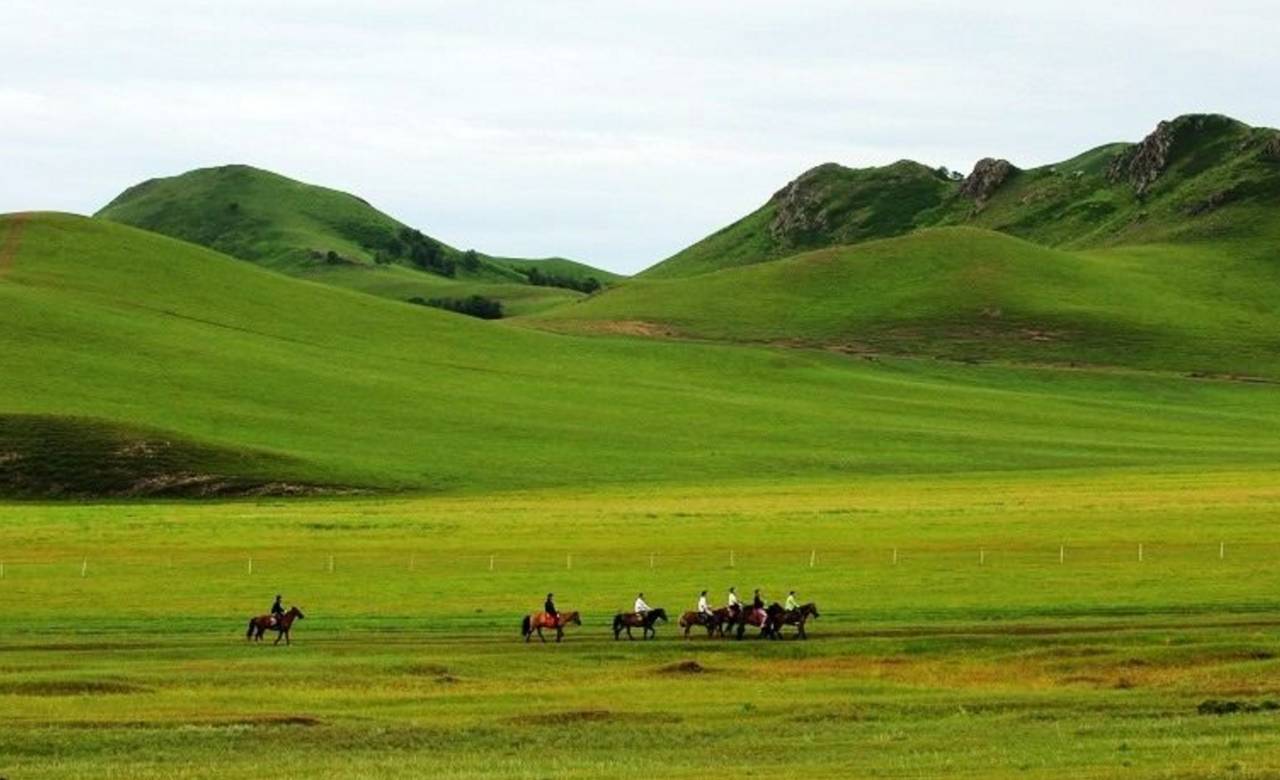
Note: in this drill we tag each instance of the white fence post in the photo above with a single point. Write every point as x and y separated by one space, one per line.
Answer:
250 564
84 568
1222 551
895 556
650 560
490 563
982 557
813 558
1139 552
331 564
1062 553
568 561
731 559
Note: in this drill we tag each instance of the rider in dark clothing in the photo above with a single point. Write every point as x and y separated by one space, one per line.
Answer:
550 606
277 609
757 602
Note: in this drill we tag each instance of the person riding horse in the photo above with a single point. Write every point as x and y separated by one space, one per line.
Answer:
792 604
641 608
277 611
757 602
734 605
550 606
704 609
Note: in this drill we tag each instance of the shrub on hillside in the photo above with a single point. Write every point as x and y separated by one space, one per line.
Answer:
472 306
540 279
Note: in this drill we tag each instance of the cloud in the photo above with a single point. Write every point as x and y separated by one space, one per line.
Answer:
616 133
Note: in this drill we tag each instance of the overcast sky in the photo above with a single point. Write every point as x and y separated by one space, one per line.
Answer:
611 132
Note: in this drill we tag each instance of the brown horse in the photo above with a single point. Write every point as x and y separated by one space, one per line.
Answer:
714 623
262 623
629 620
796 617
540 620
765 620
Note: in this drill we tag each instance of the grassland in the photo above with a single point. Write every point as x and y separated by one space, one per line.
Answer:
409 663
967 293
351 390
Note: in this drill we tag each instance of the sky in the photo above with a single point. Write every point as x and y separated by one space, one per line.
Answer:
615 133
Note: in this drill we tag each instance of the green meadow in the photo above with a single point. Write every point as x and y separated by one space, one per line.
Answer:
1019 443
1017 634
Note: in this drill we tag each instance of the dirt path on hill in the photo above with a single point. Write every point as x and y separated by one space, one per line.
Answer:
12 241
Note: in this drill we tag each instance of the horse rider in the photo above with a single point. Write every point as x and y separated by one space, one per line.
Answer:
792 605
277 611
735 606
757 603
704 609
642 609
550 606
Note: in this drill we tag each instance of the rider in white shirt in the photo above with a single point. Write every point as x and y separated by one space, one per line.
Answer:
735 606
641 607
792 604
703 607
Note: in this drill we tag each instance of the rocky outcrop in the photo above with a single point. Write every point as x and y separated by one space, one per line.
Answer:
799 206
987 177
1271 149
1141 165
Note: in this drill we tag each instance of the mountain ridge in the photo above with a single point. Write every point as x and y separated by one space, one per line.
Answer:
1156 189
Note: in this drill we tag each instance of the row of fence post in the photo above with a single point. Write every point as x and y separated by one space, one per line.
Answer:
653 557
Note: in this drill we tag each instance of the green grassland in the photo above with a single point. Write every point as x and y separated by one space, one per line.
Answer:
1005 443
335 388
965 293
291 226
977 654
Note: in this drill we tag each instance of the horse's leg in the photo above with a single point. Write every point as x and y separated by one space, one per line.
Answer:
540 636
559 634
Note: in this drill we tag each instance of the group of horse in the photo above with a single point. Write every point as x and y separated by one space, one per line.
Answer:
722 622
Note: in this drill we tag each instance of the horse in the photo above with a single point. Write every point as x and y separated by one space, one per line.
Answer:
797 617
262 623
630 620
765 620
540 620
714 622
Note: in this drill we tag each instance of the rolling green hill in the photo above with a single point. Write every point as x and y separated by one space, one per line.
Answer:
197 369
1199 177
331 237
969 293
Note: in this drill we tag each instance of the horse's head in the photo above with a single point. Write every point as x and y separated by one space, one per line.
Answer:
295 613
811 608
573 618
659 614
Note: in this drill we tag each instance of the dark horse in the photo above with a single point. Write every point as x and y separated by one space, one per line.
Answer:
714 623
540 620
630 620
262 623
767 620
796 617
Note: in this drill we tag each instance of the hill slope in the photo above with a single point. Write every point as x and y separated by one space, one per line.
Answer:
327 235
256 377
1194 178
967 293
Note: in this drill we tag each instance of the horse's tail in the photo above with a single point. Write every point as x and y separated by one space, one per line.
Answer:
617 622
249 634
526 626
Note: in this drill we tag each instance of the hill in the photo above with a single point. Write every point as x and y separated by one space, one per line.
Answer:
1200 177
189 368
331 237
968 293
